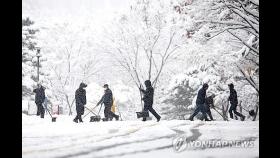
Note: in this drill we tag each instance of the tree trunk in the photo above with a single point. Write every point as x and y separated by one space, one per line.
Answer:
67 100
150 64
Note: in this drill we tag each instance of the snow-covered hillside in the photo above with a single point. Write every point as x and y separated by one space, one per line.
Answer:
133 139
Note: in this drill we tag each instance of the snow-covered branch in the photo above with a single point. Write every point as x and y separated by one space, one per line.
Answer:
249 79
248 20
253 49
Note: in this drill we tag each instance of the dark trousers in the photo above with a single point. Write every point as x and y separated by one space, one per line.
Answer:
40 110
208 112
80 111
233 109
199 108
150 108
108 113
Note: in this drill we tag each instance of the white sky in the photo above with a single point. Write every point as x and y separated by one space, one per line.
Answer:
92 13
48 11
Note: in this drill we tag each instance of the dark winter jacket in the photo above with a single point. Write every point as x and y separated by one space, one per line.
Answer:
39 95
107 98
148 95
80 97
201 96
81 100
233 97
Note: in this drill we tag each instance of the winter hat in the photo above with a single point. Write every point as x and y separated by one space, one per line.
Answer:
83 85
148 83
105 86
231 85
205 85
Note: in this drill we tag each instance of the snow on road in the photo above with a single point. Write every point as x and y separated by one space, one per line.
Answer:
42 138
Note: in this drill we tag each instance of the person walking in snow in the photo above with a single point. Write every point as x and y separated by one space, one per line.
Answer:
81 100
200 103
209 103
39 99
148 99
107 100
233 102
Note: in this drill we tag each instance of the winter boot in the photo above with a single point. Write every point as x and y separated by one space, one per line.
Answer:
242 118
75 120
158 119
117 117
144 119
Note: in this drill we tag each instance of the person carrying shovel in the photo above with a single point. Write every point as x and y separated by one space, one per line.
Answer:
107 100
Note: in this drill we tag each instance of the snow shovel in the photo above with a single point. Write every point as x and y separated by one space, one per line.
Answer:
220 113
53 118
89 111
96 117
251 112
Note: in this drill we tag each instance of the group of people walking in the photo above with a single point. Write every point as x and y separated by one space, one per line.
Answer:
107 100
203 103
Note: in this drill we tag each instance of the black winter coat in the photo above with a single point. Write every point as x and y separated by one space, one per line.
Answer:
81 100
233 97
148 95
107 98
39 95
80 97
201 96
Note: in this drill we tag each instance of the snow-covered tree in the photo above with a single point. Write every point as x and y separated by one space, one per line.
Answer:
241 20
72 61
211 52
29 59
144 40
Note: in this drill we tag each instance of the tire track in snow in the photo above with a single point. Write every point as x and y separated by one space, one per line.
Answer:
91 150
86 137
87 140
97 149
195 135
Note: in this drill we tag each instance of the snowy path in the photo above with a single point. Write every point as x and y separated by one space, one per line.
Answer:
128 139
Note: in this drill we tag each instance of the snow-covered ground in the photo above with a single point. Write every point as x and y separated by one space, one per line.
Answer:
42 138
